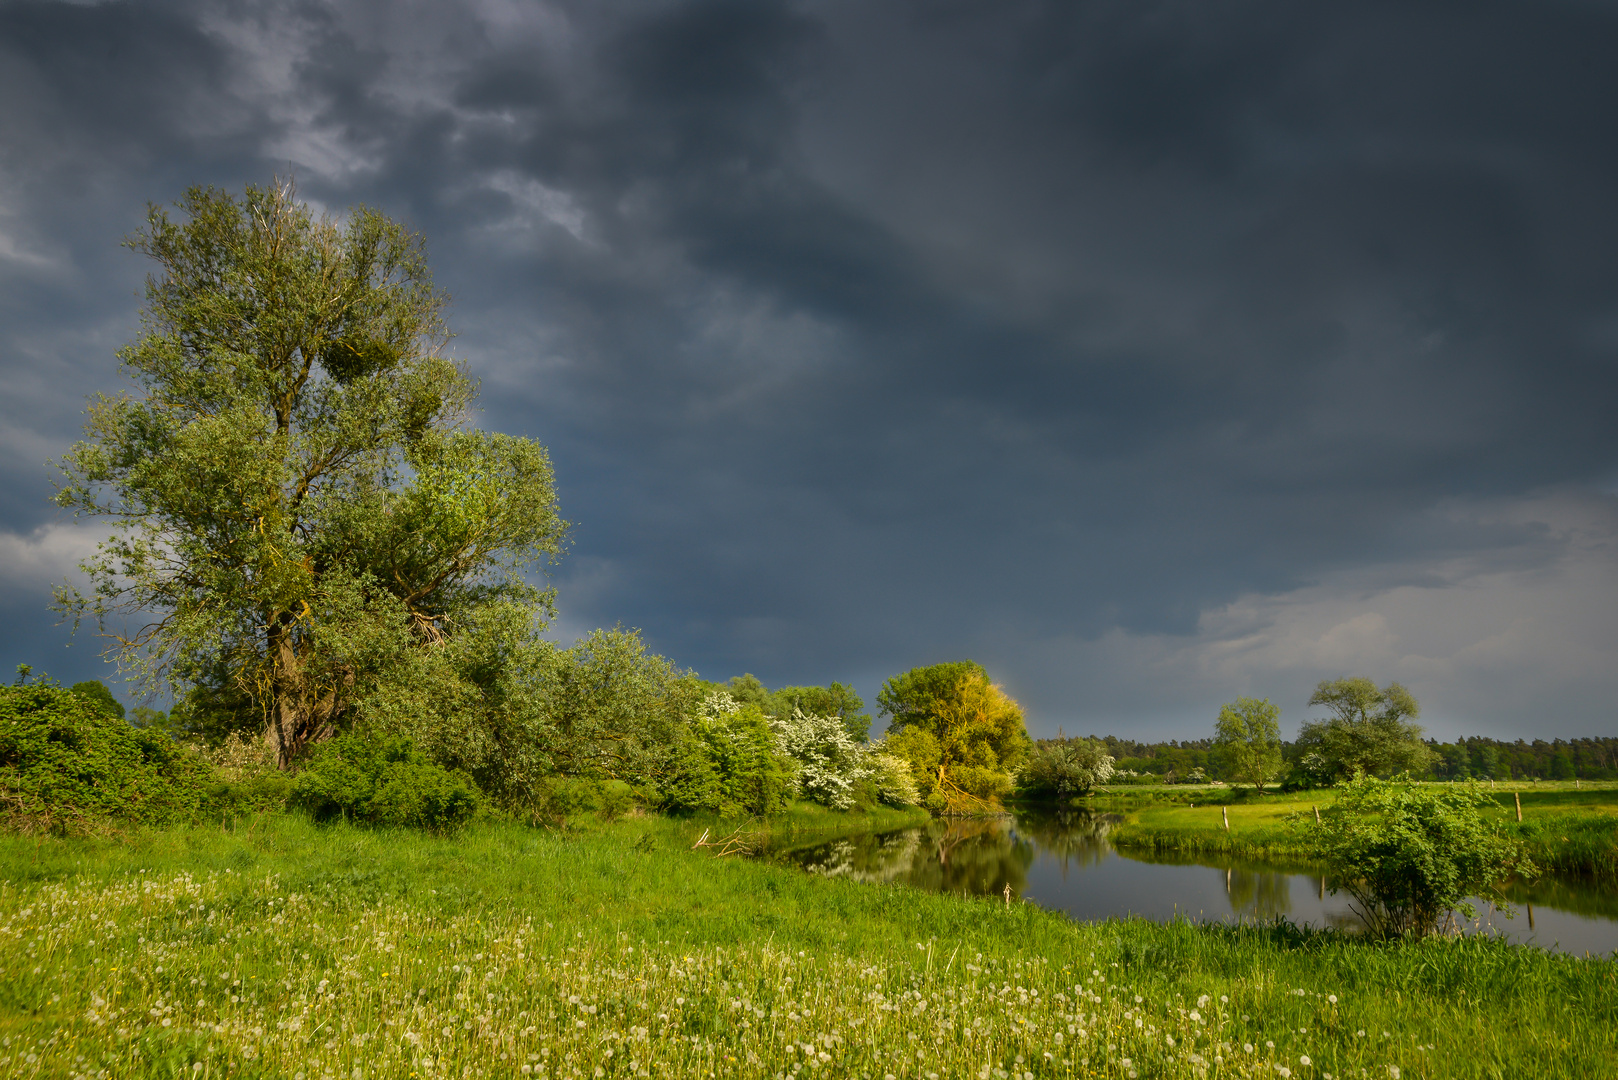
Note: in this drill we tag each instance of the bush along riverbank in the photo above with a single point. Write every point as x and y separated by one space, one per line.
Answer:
615 949
1565 830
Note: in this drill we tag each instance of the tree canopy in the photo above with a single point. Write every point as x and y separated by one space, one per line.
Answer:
1064 768
1248 731
94 690
838 700
961 735
1368 731
298 505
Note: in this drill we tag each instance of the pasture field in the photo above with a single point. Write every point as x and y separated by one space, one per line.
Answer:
1568 829
280 948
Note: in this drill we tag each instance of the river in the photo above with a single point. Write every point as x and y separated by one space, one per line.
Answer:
1066 863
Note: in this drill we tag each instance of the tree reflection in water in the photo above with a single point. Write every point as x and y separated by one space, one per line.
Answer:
975 856
1074 837
1259 894
978 857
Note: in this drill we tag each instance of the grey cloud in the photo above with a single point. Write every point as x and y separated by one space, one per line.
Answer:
873 334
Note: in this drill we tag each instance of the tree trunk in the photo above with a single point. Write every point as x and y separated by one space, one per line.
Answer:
299 715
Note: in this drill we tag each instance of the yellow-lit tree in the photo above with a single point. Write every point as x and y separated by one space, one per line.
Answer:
962 736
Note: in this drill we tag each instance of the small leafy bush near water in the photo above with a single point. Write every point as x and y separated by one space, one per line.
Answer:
384 782
1411 854
1065 769
69 765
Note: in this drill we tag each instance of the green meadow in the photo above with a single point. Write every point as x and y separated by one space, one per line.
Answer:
1568 829
271 946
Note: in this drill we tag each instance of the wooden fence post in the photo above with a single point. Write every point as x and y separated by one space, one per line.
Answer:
1518 798
1225 813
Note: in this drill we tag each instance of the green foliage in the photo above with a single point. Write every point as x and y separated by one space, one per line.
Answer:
916 697
608 708
558 800
1367 733
259 791
1064 769
962 737
69 765
727 762
384 782
836 700
748 690
299 510
1248 731
214 707
96 692
1411 854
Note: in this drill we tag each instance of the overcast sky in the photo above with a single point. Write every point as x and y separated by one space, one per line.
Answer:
1148 353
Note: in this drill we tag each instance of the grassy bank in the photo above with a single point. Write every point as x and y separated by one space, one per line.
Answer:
808 819
1567 830
283 948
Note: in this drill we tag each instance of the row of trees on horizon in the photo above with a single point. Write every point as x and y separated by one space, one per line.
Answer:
1475 757
1369 729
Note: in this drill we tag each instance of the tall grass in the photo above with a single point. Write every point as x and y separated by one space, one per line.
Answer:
283 948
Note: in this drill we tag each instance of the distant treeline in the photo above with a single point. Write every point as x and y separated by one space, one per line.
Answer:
1478 757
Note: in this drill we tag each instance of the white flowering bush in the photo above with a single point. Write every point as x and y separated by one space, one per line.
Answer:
834 767
717 707
831 763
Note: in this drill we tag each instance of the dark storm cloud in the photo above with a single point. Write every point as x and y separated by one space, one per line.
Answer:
871 335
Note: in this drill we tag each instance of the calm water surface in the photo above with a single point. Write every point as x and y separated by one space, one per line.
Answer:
1065 863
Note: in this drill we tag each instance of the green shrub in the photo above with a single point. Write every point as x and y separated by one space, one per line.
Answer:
384 782
555 799
729 763
68 765
1062 770
1411 854
254 792
95 691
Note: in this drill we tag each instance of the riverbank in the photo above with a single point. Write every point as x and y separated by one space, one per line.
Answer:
284 947
803 818
1567 829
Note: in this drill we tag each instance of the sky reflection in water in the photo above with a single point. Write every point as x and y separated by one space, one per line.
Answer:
1065 863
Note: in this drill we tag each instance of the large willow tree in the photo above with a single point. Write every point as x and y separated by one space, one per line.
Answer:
298 504
961 735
